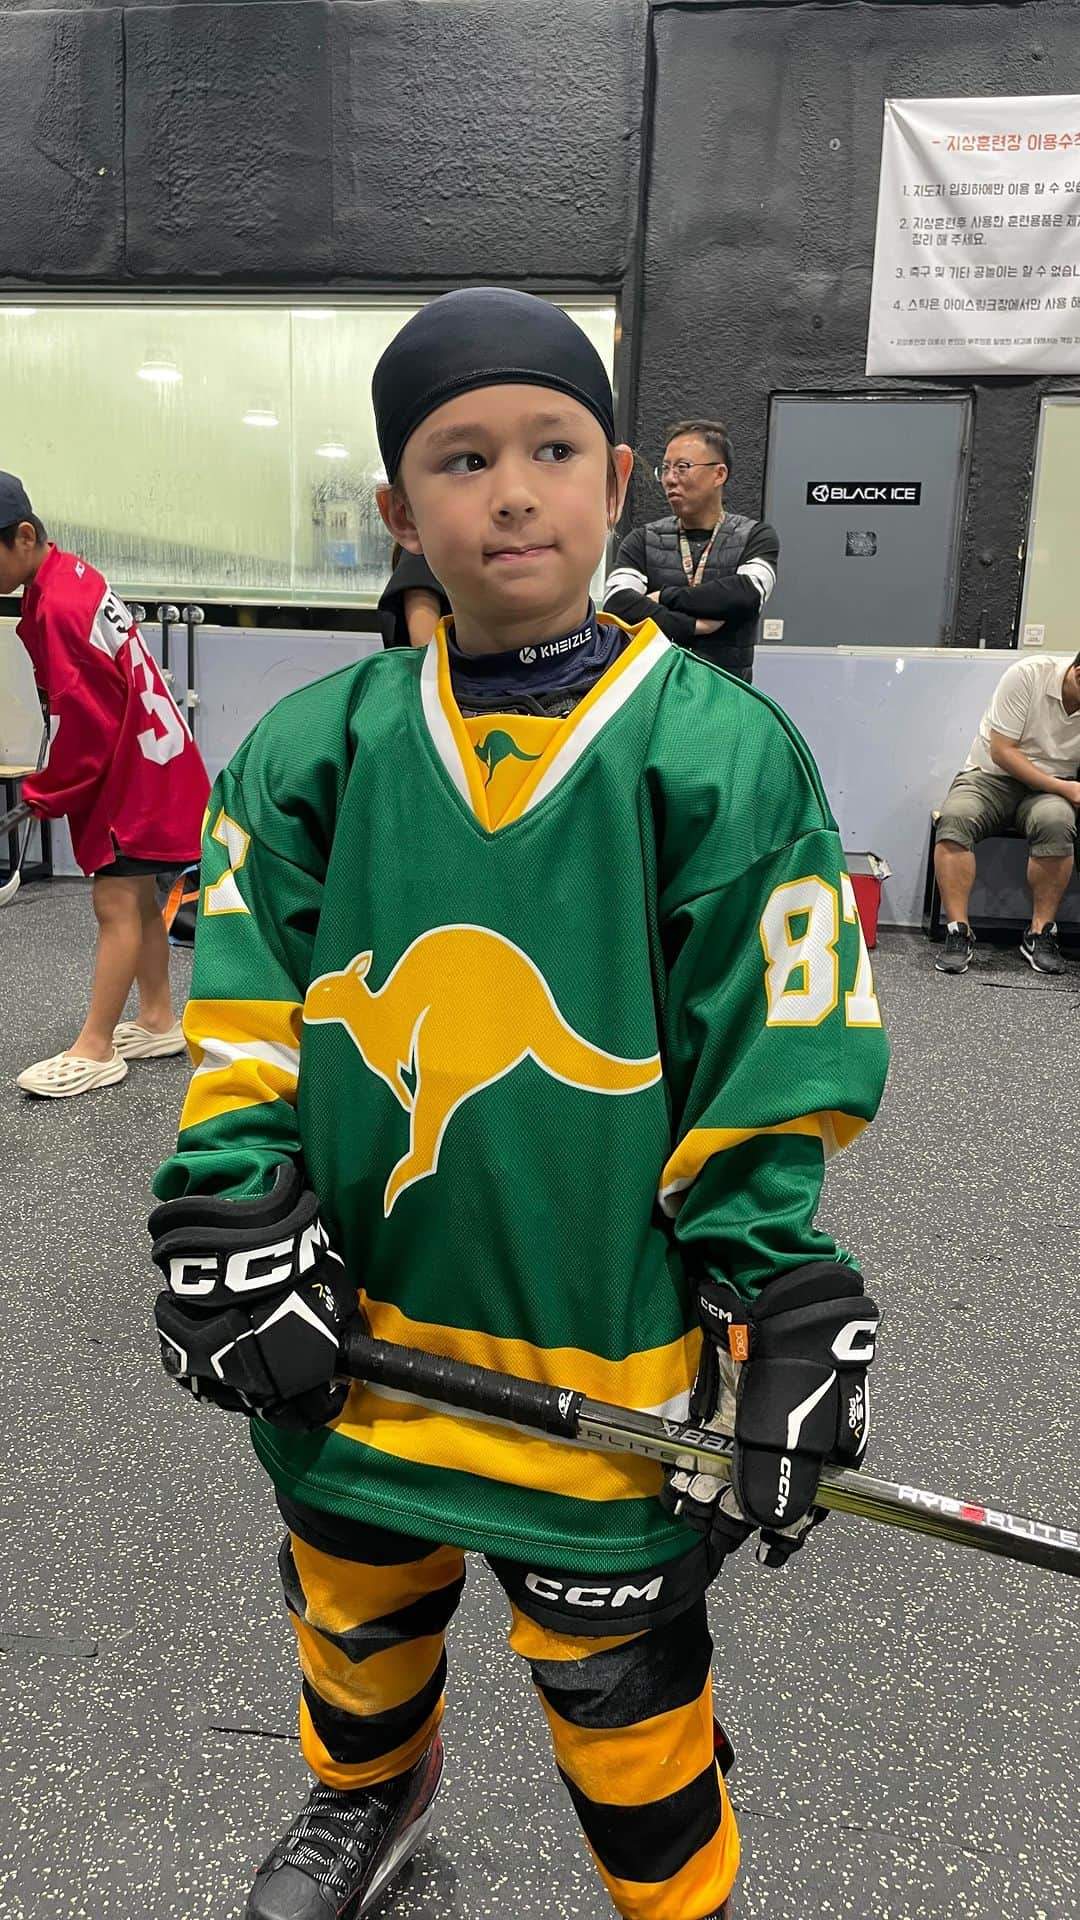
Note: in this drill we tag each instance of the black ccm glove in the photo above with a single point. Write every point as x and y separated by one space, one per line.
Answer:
254 1304
786 1375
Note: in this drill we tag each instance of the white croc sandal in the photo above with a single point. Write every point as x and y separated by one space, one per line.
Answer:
133 1042
67 1074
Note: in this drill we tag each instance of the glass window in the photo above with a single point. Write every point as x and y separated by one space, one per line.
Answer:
224 450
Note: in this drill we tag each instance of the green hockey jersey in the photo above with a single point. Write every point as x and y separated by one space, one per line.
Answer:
538 1070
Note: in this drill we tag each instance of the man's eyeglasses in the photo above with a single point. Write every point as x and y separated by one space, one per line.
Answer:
680 468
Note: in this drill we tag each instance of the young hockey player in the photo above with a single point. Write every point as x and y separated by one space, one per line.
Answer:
123 768
530 998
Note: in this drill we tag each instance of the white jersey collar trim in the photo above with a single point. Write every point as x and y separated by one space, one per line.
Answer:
578 731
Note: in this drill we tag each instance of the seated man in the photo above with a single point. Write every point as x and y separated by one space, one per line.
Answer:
1021 771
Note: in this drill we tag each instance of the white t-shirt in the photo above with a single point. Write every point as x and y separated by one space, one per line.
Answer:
1027 708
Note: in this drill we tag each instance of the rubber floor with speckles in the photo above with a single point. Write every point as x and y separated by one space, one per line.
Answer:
903 1712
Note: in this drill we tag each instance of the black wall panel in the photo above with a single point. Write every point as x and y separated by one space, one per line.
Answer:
61 145
229 142
322 141
477 137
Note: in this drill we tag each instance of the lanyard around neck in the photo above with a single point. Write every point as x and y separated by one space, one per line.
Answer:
694 574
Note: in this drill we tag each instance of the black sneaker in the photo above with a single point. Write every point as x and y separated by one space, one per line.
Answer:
1041 950
956 954
343 1848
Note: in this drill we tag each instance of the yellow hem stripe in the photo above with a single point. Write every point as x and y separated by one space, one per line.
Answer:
648 1379
416 1432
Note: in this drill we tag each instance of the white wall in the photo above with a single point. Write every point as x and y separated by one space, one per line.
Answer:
888 732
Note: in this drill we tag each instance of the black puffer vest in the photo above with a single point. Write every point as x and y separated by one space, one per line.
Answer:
732 647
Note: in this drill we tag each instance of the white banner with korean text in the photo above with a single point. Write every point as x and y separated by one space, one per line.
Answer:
977 256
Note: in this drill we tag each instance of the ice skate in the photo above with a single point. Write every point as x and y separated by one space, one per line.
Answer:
343 1848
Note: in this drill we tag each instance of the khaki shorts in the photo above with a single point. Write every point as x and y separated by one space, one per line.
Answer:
979 805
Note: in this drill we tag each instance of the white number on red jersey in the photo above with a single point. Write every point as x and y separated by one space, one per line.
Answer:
159 704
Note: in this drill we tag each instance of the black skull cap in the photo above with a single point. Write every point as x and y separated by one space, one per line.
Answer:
482 337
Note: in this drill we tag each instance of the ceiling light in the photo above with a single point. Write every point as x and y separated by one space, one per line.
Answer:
260 417
332 450
161 373
13 311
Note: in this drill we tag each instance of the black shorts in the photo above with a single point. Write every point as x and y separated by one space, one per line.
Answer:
124 867
587 1605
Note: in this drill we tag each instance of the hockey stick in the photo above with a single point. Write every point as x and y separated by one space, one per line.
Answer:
7 821
606 1428
13 818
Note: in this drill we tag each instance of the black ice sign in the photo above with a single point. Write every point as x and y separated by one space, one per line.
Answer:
863 493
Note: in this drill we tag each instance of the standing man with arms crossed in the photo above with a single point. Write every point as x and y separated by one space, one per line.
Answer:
1021 771
703 574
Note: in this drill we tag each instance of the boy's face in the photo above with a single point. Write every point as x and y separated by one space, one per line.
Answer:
18 563
508 493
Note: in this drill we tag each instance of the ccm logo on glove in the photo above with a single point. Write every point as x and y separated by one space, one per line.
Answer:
256 1302
251 1270
783 1490
847 1347
844 1347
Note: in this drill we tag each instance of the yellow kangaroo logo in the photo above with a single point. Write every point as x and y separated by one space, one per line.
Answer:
462 1008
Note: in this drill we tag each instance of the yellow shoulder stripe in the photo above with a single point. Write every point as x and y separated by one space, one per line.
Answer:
834 1129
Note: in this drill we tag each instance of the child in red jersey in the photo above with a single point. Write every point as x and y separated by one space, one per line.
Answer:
124 770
